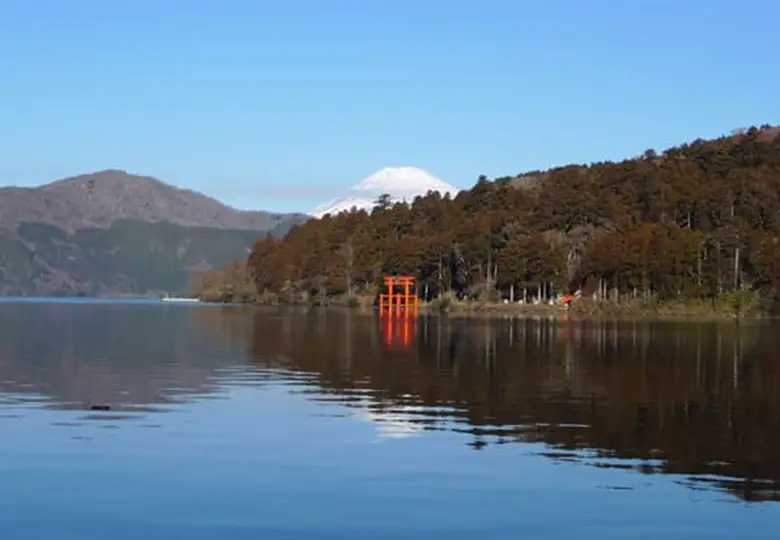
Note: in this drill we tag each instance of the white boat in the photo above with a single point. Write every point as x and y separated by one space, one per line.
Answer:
169 298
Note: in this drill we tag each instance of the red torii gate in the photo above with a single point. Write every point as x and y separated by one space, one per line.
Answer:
399 296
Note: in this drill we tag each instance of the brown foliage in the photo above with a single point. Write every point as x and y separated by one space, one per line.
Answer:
231 283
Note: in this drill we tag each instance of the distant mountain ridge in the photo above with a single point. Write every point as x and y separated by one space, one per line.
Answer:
114 233
98 199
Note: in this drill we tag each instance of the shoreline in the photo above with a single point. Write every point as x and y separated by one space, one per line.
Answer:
722 309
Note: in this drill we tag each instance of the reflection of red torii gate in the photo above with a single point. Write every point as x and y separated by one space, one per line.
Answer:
398 332
399 296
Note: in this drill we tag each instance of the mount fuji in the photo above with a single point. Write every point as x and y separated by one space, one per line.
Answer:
403 184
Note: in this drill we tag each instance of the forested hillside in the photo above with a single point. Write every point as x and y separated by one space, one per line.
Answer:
114 233
129 257
696 220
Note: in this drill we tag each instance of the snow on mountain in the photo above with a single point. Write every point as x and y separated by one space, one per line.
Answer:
342 204
403 184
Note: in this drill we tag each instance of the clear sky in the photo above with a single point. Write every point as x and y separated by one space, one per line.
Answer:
279 105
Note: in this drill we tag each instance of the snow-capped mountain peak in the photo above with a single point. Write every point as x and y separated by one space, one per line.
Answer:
403 179
403 184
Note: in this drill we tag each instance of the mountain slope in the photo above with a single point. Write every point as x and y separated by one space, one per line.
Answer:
129 257
113 233
98 199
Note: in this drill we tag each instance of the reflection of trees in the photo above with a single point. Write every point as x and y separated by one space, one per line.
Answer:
108 353
690 399
702 399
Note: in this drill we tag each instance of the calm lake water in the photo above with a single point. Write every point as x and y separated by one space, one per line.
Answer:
233 423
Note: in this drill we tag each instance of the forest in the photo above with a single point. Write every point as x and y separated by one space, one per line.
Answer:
699 220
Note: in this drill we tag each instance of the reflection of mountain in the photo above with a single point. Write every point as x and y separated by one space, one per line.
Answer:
398 423
75 353
686 399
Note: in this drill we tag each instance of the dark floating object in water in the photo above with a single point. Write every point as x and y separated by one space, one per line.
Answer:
98 407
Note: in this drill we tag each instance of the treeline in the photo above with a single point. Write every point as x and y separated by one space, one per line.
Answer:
232 283
698 220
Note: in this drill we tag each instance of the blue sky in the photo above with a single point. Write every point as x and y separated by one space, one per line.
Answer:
280 105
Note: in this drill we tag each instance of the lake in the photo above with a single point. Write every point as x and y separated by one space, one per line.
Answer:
239 422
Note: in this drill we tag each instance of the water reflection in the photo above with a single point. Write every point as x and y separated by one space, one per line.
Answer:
696 400
699 401
131 359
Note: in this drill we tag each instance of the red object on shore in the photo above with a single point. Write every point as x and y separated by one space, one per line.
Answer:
399 296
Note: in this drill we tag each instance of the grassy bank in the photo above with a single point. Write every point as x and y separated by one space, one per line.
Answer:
727 306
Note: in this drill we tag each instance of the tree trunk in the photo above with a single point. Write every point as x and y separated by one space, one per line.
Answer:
718 263
441 277
488 273
698 267
349 256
